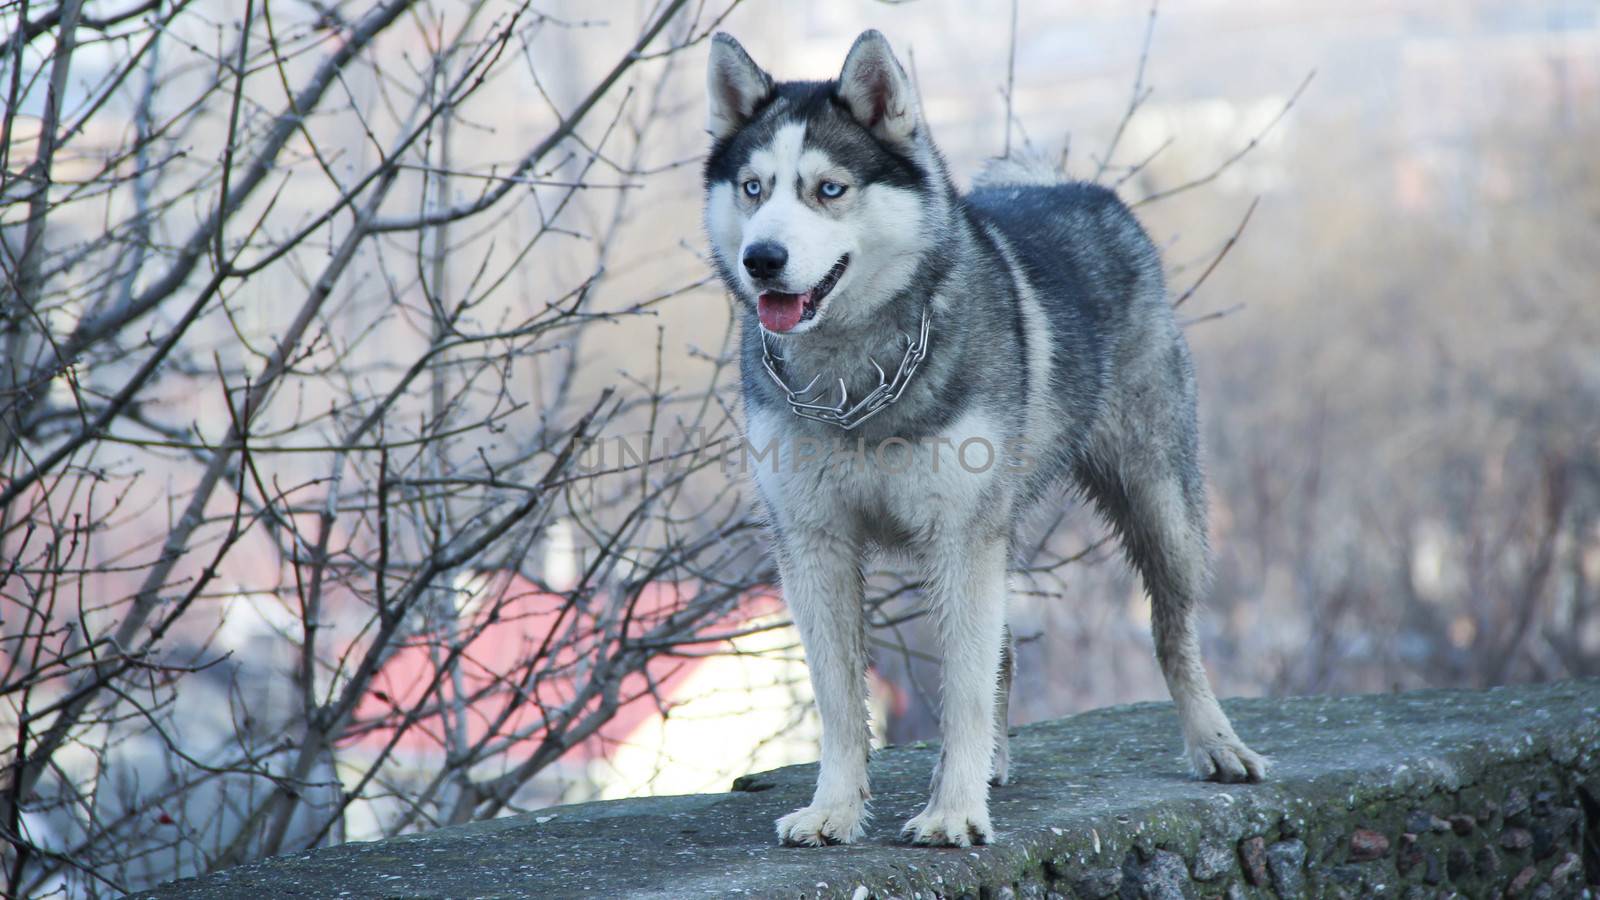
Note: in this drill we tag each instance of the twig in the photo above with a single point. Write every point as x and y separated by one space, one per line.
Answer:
1215 260
1136 97
1237 155
1011 78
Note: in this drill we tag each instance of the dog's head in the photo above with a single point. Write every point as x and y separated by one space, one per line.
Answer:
817 192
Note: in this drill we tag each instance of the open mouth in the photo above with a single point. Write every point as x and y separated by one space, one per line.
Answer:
780 312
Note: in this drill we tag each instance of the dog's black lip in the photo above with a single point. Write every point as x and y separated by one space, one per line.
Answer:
824 287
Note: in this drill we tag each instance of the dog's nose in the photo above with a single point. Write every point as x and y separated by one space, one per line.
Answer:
765 259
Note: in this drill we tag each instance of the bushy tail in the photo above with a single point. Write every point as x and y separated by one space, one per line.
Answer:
1020 168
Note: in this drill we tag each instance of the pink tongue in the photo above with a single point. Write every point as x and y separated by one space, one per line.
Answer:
780 312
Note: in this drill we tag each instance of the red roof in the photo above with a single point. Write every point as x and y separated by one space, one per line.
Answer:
530 654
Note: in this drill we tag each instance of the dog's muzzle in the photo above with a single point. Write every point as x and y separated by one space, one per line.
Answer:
780 312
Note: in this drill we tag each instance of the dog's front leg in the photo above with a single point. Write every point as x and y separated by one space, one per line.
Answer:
968 588
822 584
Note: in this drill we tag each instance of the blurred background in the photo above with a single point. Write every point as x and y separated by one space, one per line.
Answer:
362 379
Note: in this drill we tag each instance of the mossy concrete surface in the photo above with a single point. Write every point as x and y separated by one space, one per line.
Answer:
1426 794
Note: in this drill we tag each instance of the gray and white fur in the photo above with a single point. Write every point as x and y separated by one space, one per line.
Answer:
1050 331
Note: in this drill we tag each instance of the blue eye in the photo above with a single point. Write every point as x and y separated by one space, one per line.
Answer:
752 188
830 190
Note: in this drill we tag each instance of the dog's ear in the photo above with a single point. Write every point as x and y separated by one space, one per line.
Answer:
735 86
877 91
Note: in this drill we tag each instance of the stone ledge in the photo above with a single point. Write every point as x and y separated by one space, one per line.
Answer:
1426 794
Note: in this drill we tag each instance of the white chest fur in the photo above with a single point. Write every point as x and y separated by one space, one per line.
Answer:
893 491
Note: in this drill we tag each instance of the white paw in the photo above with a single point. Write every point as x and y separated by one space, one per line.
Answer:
941 827
1225 758
822 823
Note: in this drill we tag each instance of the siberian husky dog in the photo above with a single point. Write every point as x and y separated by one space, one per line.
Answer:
919 365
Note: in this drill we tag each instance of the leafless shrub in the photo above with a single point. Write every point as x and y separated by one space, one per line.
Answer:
289 361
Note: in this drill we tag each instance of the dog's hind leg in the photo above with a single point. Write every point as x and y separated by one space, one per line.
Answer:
1153 494
1000 772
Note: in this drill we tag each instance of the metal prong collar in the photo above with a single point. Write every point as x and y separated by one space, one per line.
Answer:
843 414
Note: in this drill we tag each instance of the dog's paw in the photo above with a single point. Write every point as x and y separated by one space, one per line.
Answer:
941 827
822 823
1225 758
